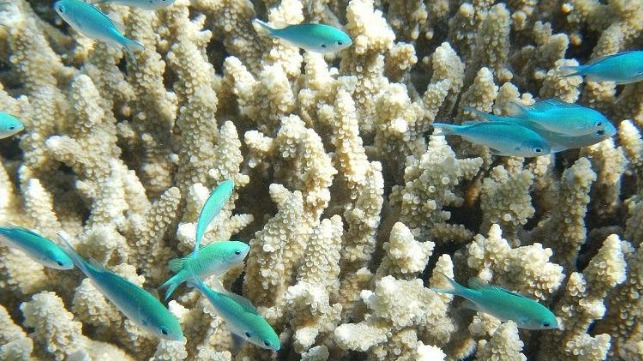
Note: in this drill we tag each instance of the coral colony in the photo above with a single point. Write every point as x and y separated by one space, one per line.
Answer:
321 180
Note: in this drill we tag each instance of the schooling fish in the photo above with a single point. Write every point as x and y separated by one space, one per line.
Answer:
503 138
559 142
143 4
319 38
90 21
211 209
36 247
621 68
240 315
9 125
136 303
503 304
555 116
214 259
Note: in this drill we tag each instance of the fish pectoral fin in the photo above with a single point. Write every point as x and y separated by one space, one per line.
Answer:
469 305
176 264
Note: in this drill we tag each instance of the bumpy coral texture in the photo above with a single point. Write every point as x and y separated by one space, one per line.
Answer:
351 207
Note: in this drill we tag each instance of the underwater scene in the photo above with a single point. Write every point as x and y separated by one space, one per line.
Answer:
321 180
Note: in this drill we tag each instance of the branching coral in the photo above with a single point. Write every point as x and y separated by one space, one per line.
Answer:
345 197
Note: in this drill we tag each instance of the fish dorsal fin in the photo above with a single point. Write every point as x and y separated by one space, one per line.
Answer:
517 109
176 264
601 58
499 289
476 283
117 24
244 302
550 104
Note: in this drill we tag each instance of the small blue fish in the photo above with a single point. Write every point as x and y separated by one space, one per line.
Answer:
559 143
36 247
318 38
136 303
214 259
92 22
9 125
555 116
504 305
143 4
621 68
240 315
211 209
502 138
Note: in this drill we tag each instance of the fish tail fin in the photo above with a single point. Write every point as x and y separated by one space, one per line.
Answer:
72 253
172 284
445 129
457 289
573 70
131 46
262 27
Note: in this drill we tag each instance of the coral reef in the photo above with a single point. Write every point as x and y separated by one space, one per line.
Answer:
351 207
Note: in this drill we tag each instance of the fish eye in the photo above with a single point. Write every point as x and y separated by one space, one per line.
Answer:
599 124
237 252
340 43
323 46
60 263
164 331
546 324
248 334
538 150
12 127
61 8
267 343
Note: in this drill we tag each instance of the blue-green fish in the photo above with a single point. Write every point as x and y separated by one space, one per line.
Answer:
214 259
555 116
502 138
36 247
621 68
318 38
136 303
92 22
143 4
559 143
240 315
211 209
503 304
9 125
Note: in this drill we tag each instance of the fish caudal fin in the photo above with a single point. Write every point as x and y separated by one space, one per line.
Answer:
71 253
262 28
131 46
457 289
172 284
445 129
574 70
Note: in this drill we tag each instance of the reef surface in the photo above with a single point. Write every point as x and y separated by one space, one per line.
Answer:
351 207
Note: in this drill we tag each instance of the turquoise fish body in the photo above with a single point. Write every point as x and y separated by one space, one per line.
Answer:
36 247
9 125
92 22
504 305
136 303
240 316
211 209
558 142
621 68
214 259
144 4
561 117
318 38
503 138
